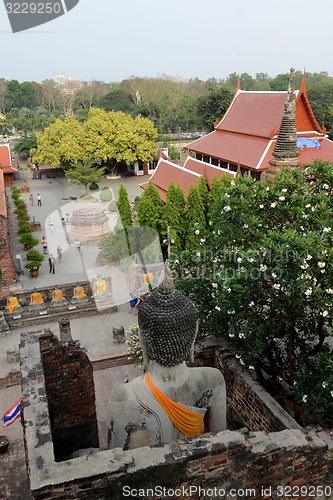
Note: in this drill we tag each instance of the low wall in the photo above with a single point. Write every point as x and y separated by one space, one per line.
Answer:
230 464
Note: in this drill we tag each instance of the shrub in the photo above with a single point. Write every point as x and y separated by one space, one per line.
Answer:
113 206
21 214
24 229
28 241
134 349
86 197
106 195
93 185
34 255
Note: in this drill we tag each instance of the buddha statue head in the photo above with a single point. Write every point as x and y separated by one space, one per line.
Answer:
168 325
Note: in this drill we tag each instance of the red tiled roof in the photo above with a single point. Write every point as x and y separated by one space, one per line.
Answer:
5 159
232 147
207 170
167 172
254 113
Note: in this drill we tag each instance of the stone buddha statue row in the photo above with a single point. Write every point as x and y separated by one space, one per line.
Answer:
101 290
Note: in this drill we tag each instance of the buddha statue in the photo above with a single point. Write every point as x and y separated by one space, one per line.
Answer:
170 400
57 298
79 294
13 305
36 301
101 288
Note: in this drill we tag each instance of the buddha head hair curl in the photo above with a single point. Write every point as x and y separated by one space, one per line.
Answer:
168 324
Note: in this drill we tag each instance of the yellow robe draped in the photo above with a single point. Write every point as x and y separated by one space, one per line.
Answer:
79 292
12 304
57 295
187 421
101 287
36 298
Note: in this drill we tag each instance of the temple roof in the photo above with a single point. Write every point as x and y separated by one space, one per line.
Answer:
3 203
247 133
5 159
185 176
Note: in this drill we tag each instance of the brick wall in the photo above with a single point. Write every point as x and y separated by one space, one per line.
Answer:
70 393
237 463
6 261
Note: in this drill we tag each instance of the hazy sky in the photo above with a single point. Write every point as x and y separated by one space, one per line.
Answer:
113 39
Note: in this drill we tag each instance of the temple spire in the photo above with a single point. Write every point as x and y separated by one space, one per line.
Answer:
285 153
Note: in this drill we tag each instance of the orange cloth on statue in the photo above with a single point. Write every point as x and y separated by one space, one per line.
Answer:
57 295
36 298
101 287
79 292
12 303
187 421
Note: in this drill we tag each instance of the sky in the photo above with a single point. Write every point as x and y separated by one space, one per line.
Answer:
109 40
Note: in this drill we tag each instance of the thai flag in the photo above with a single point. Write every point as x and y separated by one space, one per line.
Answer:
12 414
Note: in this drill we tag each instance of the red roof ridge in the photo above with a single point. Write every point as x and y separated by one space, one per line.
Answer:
209 165
302 94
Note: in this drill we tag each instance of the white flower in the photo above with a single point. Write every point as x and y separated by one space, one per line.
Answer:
274 275
228 290
305 216
327 229
232 183
197 231
284 190
251 304
261 206
267 189
214 285
324 313
242 362
326 186
232 311
198 254
308 292
218 308
309 257
239 260
238 356
277 286
281 198
227 208
241 336
301 228
251 367
227 195
231 335
273 205
251 259
329 290
246 226
321 264
332 394
324 385
308 205
304 398
304 266
262 268
202 240
313 209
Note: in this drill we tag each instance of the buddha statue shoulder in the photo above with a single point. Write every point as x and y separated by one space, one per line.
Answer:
170 400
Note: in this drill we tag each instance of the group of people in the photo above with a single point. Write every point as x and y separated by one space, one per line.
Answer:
39 200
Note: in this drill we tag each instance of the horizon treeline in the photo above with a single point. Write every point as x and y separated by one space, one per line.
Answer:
172 104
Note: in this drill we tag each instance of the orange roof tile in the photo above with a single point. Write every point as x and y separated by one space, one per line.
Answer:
207 170
5 159
3 204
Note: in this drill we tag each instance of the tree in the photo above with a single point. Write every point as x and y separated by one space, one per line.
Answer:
124 207
25 144
213 105
84 172
59 144
173 218
264 279
150 208
195 219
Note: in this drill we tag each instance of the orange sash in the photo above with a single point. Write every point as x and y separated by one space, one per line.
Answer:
187 421
12 303
36 298
57 295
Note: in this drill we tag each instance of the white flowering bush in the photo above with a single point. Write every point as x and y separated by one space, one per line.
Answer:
134 350
264 277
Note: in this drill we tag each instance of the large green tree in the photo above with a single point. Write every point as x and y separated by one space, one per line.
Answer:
263 278
124 207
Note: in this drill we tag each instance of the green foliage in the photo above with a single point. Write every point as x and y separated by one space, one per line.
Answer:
106 194
150 208
124 207
134 350
86 197
173 217
93 186
35 256
195 218
113 207
213 105
28 241
24 229
262 276
25 144
85 173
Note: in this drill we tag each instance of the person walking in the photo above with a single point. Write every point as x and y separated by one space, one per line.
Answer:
133 302
77 245
39 200
59 253
44 245
52 264
31 198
